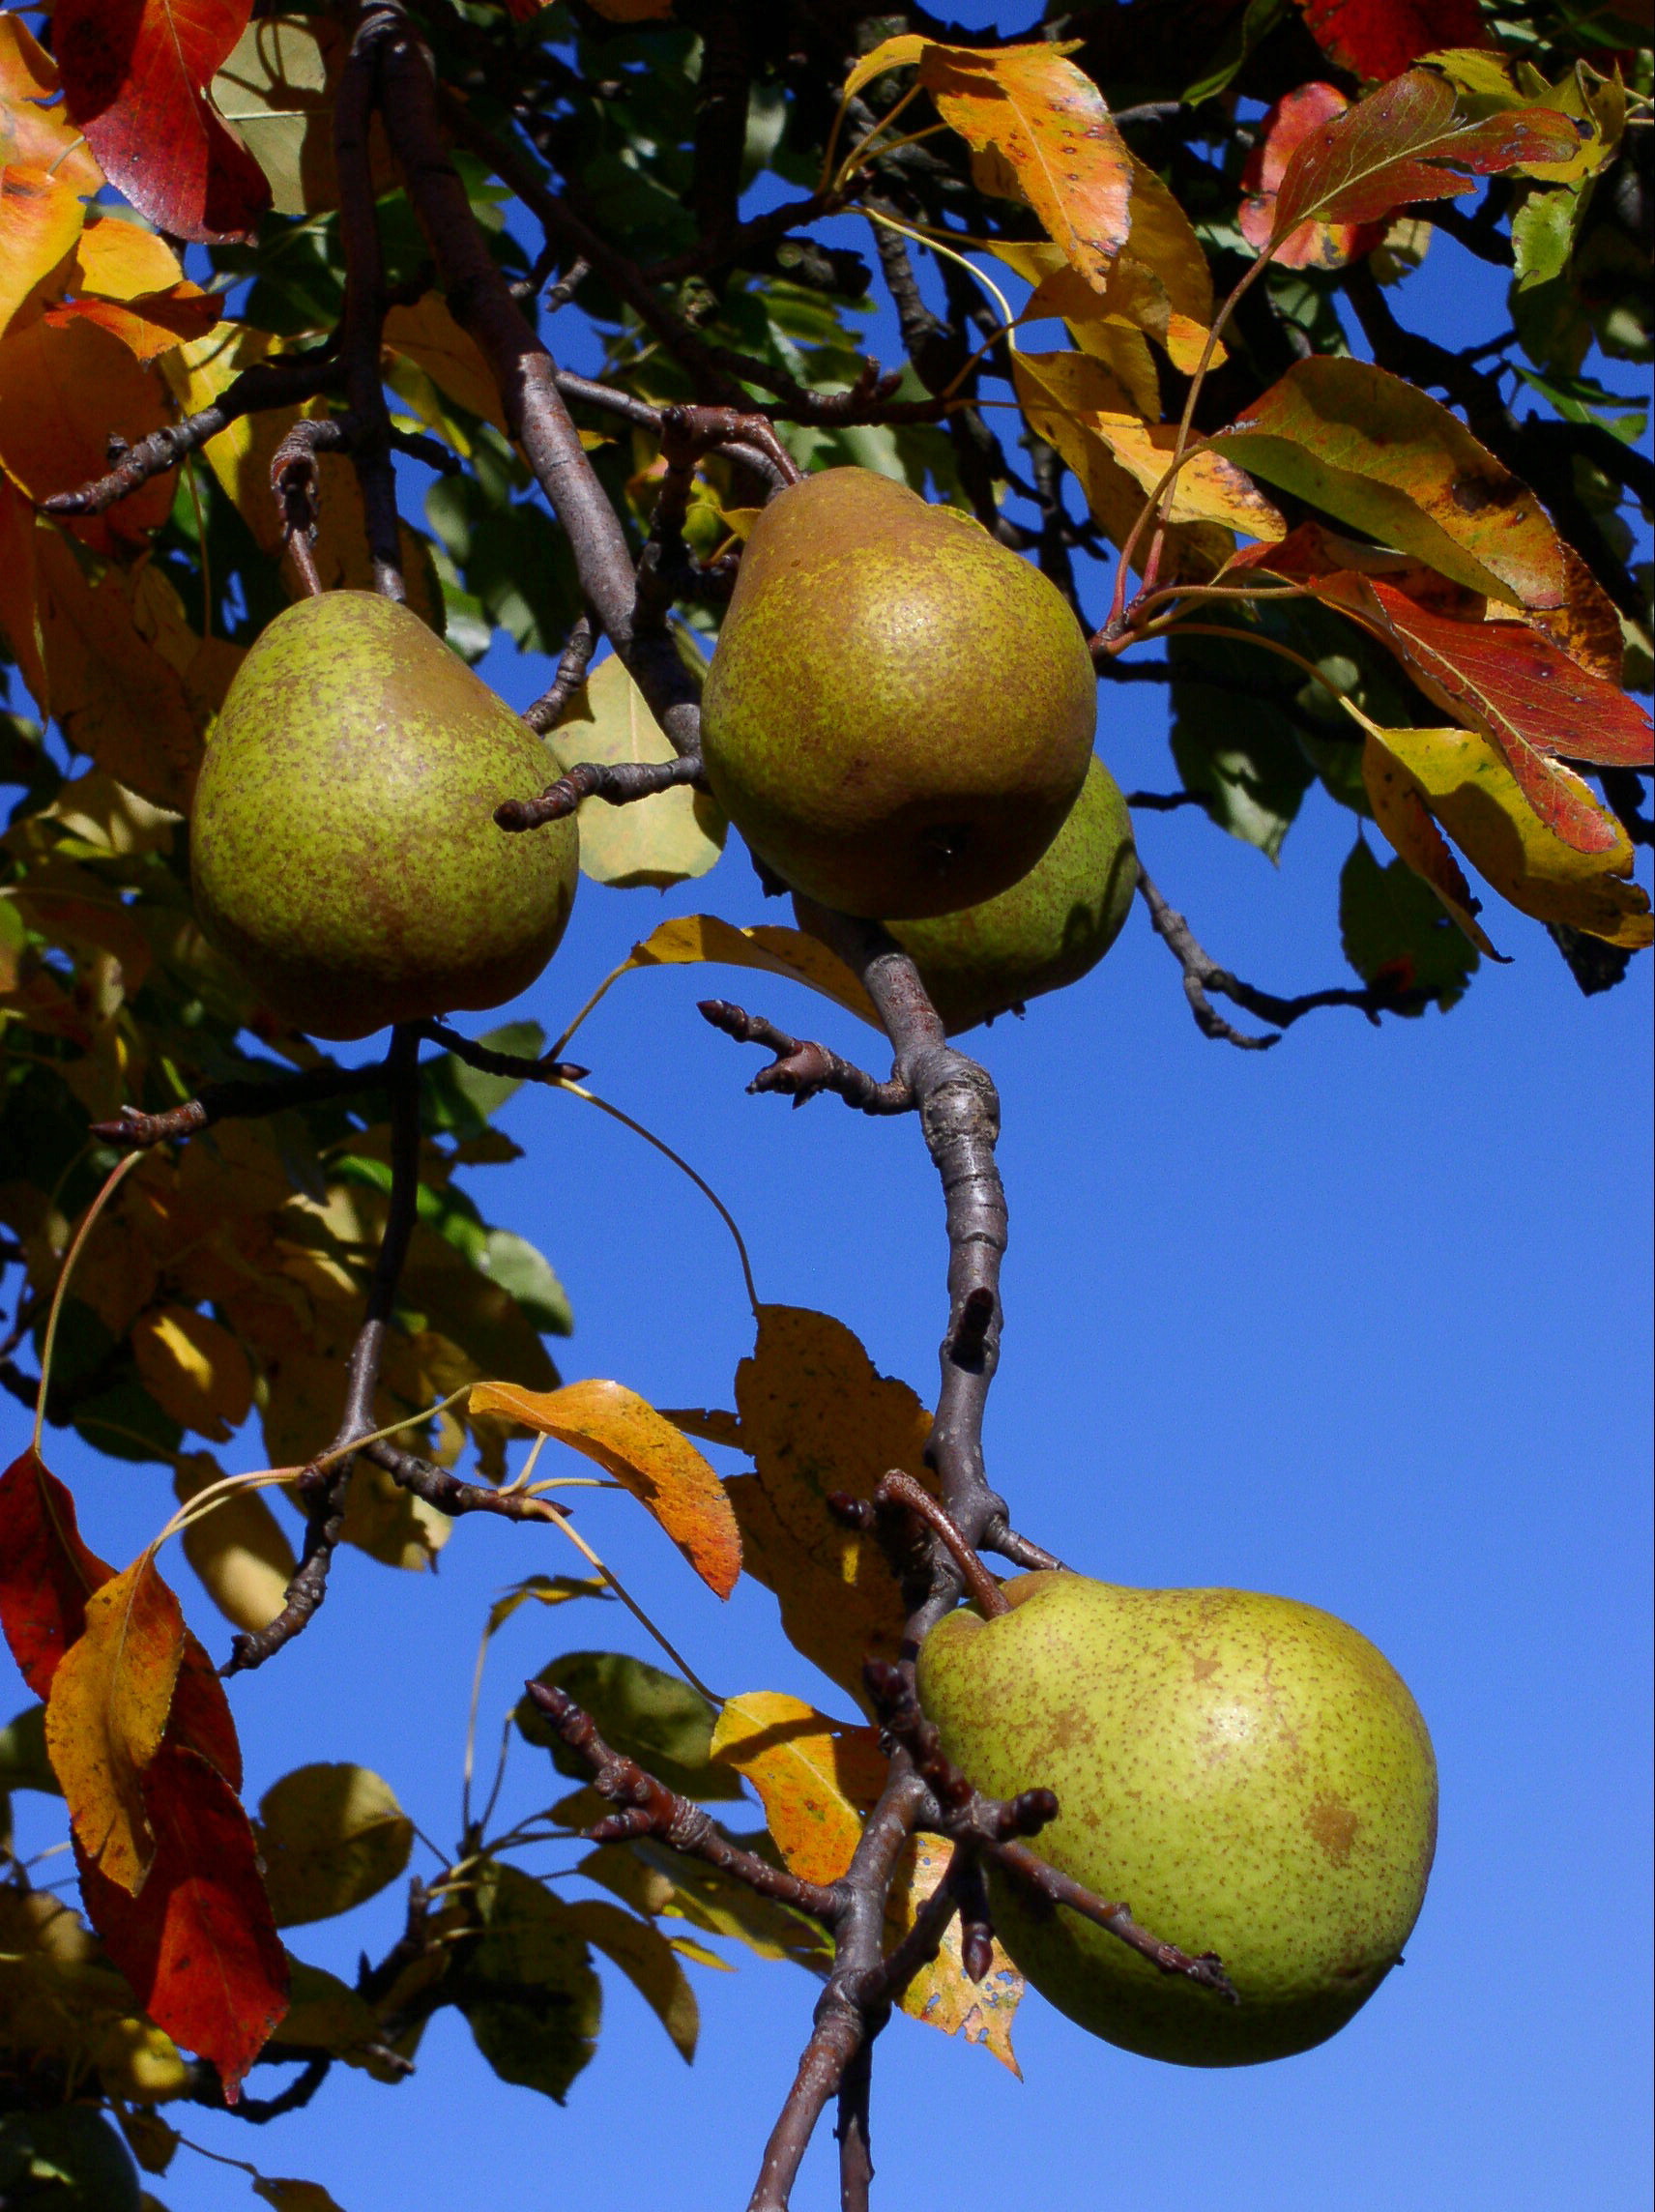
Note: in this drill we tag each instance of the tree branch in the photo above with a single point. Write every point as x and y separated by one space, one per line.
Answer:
801 1071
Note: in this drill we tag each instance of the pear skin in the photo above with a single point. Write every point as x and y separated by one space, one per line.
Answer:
342 846
900 710
1248 1773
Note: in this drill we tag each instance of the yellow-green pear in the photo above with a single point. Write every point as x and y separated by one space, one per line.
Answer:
342 845
900 710
1052 927
1248 1773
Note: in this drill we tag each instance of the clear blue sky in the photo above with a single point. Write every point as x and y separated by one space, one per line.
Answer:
1363 1321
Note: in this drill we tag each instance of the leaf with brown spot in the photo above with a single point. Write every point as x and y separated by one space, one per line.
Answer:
941 1994
816 1777
106 1712
645 1453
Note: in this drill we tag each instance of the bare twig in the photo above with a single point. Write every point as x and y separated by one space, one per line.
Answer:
617 782
800 1069
238 1102
572 666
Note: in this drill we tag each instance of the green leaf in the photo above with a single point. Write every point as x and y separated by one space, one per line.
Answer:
70 2160
517 1266
650 1964
23 1761
461 1099
532 2001
649 1715
1233 742
331 1836
326 2013
1393 927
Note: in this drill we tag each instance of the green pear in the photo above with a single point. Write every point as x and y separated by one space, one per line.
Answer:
1248 1773
1052 927
900 710
342 845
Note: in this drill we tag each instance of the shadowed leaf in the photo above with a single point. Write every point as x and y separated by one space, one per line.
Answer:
648 1962
641 1713
668 839
330 1835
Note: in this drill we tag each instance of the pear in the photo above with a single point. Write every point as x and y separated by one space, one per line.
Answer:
1052 927
1248 1773
342 844
900 711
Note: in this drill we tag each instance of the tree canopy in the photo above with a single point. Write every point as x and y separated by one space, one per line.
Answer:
288 303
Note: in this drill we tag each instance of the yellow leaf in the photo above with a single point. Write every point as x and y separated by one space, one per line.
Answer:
818 1417
815 1776
695 937
645 1453
1401 813
39 219
1050 121
35 129
1465 784
238 1550
648 1962
108 1707
429 336
941 1994
120 260
667 839
1207 489
331 1836
195 1370
901 53
838 1612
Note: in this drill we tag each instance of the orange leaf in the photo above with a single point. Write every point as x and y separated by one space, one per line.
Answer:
1045 117
1401 813
1284 129
106 1713
134 73
816 1777
645 1453
428 335
20 611
35 129
147 327
837 1612
68 386
193 1369
39 220
198 1944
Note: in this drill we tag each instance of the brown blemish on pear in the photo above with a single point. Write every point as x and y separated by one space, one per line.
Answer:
1250 1773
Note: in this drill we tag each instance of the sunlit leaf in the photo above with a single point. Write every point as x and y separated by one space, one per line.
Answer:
1284 129
276 90
428 335
39 220
329 1836
1378 38
641 1713
668 839
35 129
791 953
941 1994
543 1589
1401 813
194 1369
815 1776
645 1453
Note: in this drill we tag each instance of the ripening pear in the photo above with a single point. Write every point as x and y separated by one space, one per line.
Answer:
342 845
900 710
1247 1773
1052 927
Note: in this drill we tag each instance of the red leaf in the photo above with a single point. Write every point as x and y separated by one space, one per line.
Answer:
1380 37
1313 245
47 1573
1406 143
135 78
201 1715
199 1943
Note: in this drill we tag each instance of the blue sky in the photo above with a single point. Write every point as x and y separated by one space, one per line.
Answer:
1363 1321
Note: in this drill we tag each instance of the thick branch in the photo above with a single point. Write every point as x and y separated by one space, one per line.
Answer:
362 331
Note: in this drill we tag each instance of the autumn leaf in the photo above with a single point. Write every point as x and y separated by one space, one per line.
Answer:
1406 143
1283 130
645 1453
19 607
199 1943
1378 452
238 1550
69 388
1402 812
193 1369
667 839
134 73
815 1777
1379 38
106 1712
331 1836
942 1993
39 220
803 959
47 1573
839 1613
35 129
1461 777
427 334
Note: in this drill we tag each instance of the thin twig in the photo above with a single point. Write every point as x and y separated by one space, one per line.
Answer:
801 1069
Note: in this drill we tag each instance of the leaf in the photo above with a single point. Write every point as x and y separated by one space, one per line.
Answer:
838 1614
1406 143
668 839
655 1878
941 1994
644 1713
1046 118
47 1573
1207 489
198 1944
536 2012
105 1714
1472 793
325 2014
1379 38
23 1761
543 1589
20 609
694 937
1378 452
134 73
39 220
645 1453
1066 397
815 1776
648 1963
276 91
1400 809
428 335
238 1550
818 1417
712 1427
69 388
195 1370
526 1274
1231 740
331 1836
1284 129
293 2196
35 130
1394 929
